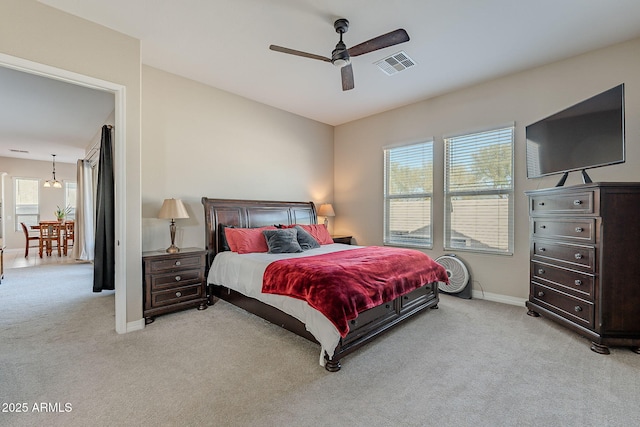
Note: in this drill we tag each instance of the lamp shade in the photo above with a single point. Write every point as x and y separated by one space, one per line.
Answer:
326 210
173 209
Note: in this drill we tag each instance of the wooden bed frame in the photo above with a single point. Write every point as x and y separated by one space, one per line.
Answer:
255 213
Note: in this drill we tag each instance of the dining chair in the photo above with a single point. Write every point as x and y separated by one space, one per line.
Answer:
68 236
49 235
28 239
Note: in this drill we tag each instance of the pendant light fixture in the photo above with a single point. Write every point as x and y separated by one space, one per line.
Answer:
53 183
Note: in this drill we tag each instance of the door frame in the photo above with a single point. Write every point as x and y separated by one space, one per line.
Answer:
119 92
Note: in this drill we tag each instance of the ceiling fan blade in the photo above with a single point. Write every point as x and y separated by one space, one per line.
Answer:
380 42
347 77
298 53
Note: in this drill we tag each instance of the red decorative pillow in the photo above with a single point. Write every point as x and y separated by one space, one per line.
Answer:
247 240
319 232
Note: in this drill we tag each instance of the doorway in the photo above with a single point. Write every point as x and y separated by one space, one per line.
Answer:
119 138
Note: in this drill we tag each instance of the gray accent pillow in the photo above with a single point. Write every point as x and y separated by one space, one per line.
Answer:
282 241
306 240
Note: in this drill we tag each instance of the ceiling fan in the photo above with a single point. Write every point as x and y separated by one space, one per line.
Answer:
341 56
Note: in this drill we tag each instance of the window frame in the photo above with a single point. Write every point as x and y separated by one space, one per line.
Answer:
449 194
388 239
17 216
72 214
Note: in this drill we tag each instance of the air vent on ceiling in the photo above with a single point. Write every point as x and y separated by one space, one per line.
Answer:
395 63
18 151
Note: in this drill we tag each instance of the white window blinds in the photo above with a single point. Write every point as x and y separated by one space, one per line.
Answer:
479 191
408 189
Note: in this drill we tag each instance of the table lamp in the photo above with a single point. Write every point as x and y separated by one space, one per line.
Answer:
173 209
326 210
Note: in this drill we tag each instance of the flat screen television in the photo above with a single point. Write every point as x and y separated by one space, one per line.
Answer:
587 135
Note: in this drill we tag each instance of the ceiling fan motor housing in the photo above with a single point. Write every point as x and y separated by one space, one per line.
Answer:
341 25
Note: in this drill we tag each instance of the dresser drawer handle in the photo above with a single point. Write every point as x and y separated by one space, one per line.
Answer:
578 282
579 229
178 294
540 203
577 202
541 294
178 278
177 263
578 256
543 226
542 249
541 271
577 308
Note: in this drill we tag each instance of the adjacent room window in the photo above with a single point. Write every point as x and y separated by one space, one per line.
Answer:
70 199
408 190
479 191
27 210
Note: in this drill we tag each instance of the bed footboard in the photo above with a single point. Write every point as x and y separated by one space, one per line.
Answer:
365 328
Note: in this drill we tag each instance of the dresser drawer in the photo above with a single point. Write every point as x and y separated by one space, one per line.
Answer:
173 279
160 265
563 204
579 230
176 295
562 278
576 256
576 309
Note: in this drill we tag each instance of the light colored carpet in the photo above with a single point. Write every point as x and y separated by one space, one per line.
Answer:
469 363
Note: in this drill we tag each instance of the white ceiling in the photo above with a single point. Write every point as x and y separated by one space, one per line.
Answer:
41 116
455 43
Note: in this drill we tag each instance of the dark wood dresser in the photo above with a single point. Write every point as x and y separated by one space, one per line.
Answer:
173 281
585 261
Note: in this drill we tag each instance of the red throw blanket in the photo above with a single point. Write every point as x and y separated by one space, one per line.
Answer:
342 284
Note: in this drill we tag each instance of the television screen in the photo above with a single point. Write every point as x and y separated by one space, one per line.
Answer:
586 135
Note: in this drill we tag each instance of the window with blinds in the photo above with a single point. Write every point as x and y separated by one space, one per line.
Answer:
479 191
408 189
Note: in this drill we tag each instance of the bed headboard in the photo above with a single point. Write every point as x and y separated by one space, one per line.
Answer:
248 214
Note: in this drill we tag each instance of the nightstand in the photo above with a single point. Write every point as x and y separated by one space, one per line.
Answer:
342 239
173 282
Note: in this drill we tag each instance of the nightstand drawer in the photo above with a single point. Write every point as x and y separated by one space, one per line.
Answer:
176 295
175 278
160 265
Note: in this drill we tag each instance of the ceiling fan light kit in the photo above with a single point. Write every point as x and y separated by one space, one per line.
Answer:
341 56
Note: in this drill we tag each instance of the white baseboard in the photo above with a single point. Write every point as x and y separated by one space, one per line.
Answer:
135 326
505 299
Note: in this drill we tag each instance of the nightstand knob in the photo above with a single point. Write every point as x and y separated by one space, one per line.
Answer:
579 229
541 250
541 271
178 278
578 282
541 204
577 308
177 263
540 294
577 202
178 294
578 256
543 226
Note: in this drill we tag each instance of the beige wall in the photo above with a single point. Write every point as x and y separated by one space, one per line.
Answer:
50 198
524 98
201 141
32 31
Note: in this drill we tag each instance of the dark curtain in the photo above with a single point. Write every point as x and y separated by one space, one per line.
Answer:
104 262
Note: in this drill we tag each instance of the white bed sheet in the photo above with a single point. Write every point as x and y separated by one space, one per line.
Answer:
243 273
